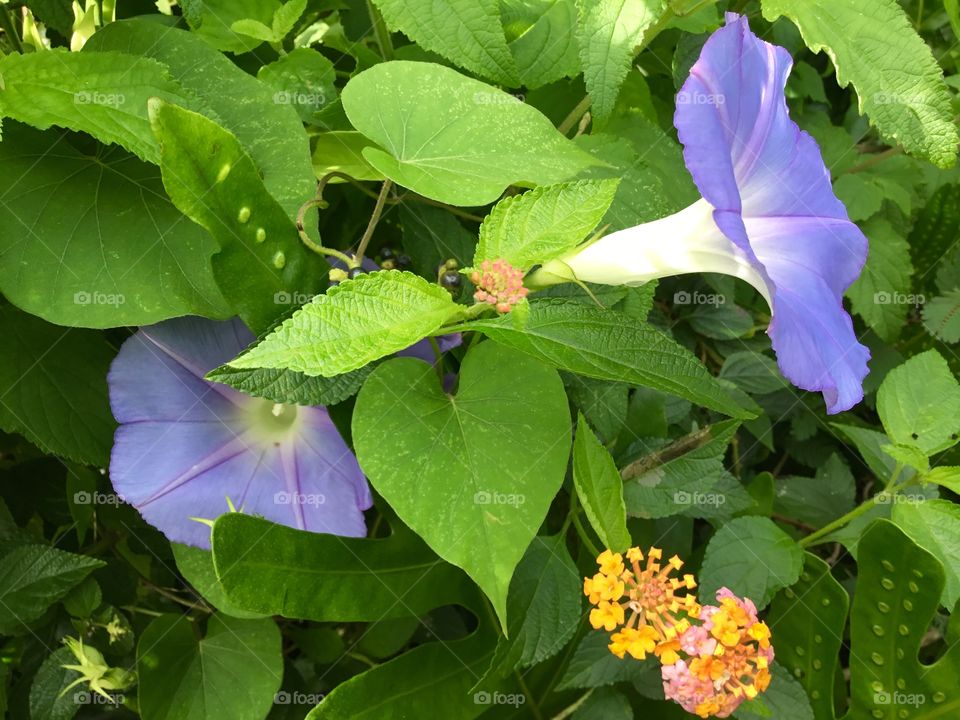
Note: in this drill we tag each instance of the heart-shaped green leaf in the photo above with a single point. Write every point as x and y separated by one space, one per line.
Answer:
473 473
455 139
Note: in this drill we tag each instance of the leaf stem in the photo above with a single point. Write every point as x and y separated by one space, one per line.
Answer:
314 246
574 117
6 21
571 709
534 707
380 31
876 159
374 219
880 498
574 516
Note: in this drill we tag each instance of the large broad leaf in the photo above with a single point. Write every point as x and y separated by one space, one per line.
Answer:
274 569
898 592
608 345
919 403
114 251
290 387
270 132
541 35
530 229
455 139
234 671
898 82
881 293
820 499
543 607
354 323
473 473
215 183
468 32
54 389
103 94
752 557
935 526
196 566
304 79
608 33
434 678
600 489
32 578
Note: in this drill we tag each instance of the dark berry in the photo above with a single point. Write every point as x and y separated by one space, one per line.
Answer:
451 280
404 262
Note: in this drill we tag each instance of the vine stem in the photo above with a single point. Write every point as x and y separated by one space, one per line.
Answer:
570 710
885 496
374 219
380 31
6 21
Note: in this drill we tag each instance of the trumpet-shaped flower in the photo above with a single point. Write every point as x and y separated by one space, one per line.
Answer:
768 215
188 450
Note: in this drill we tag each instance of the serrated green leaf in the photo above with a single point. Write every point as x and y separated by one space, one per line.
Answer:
276 570
452 138
54 391
213 181
541 37
116 251
234 671
544 223
103 94
48 701
605 704
32 578
941 316
543 608
608 345
290 387
608 33
751 556
254 29
881 295
785 698
467 32
429 454
874 47
919 403
947 476
600 489
285 17
934 234
353 324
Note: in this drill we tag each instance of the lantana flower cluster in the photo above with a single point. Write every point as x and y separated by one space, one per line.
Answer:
498 283
714 657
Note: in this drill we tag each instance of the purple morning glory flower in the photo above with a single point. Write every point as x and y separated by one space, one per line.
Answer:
187 450
768 216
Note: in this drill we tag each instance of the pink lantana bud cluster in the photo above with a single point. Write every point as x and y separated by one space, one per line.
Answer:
498 283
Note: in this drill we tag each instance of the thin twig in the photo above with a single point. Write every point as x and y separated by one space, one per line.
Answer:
374 219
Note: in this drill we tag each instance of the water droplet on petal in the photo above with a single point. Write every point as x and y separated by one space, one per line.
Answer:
244 214
224 171
279 260
261 235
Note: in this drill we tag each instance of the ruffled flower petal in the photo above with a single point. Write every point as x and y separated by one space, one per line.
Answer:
771 194
187 449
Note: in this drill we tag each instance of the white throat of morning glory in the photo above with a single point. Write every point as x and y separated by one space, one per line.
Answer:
686 242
